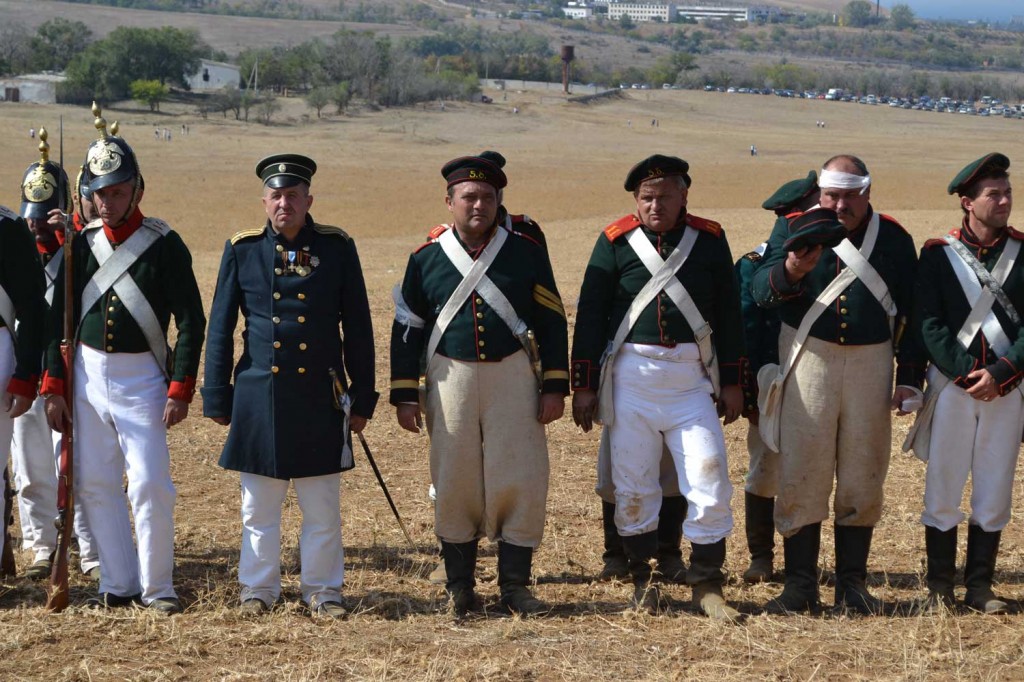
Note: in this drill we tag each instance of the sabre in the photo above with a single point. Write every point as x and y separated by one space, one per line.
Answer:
339 389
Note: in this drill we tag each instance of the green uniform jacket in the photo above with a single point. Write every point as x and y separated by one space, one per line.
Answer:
941 308
760 327
21 276
522 271
614 277
856 318
164 274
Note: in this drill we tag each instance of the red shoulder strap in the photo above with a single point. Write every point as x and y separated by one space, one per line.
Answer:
704 224
437 231
1014 234
621 226
941 241
893 221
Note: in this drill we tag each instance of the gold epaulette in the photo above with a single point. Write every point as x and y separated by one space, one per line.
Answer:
704 224
437 231
246 234
621 226
753 256
330 229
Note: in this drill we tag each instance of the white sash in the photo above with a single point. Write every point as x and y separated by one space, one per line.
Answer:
771 378
681 298
474 277
51 273
7 312
654 286
113 273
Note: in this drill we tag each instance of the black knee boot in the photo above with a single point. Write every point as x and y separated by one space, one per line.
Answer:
706 576
514 564
640 549
982 548
940 547
800 591
670 537
616 567
853 544
760 518
460 567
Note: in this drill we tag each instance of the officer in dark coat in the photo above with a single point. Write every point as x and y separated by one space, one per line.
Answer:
293 280
761 331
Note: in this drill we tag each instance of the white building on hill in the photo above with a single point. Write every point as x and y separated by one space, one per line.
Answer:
642 11
213 76
726 12
37 88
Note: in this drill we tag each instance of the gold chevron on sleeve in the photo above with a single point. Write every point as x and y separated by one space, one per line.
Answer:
556 374
548 299
404 383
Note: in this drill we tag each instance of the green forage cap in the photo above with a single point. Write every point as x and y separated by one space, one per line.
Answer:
791 193
977 170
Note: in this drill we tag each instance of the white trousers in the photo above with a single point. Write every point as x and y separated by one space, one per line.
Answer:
978 438
668 479
320 549
35 451
7 362
119 429
662 397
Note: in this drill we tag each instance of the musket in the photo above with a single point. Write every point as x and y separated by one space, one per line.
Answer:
339 390
57 592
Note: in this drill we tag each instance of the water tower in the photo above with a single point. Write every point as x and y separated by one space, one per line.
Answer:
568 56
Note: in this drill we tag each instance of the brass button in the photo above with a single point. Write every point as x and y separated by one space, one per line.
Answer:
277 295
480 328
302 319
843 311
301 297
843 298
277 344
110 309
843 325
279 248
302 346
110 323
984 251
278 271
842 339
480 343
483 356
480 316
302 370
110 349
664 323
275 369
110 337
113 298
276 319
479 301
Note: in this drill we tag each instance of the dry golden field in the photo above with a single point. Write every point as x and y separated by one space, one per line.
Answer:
379 179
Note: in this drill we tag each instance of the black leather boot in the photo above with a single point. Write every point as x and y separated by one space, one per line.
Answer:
671 567
940 547
514 564
982 548
616 566
640 549
760 518
800 591
853 544
460 567
706 576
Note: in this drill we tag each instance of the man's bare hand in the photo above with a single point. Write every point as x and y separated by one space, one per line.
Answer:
898 396
16 405
584 407
799 263
356 423
57 414
552 407
731 402
409 417
175 412
223 421
984 387
56 218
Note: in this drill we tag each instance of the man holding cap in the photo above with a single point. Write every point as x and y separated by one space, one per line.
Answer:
481 303
970 294
761 332
290 413
843 276
659 311
132 274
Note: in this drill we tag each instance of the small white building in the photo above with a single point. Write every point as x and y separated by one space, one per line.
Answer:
214 76
578 10
37 88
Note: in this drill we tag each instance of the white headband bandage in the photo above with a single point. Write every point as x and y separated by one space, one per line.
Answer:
839 180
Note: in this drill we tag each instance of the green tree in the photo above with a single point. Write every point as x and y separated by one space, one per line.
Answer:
57 41
857 13
341 95
267 107
318 98
150 93
901 17
626 23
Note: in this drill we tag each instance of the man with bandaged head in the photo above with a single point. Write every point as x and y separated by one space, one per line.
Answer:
841 276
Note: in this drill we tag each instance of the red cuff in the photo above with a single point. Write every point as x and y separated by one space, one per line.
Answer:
52 385
23 387
182 390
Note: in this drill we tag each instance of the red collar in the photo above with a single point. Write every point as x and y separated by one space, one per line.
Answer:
968 236
119 234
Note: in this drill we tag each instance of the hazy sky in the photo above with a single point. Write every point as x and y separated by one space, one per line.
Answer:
995 10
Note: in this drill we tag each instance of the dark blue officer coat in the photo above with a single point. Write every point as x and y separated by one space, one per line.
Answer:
292 296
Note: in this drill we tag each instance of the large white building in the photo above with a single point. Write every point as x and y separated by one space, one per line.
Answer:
725 12
642 11
213 76
37 88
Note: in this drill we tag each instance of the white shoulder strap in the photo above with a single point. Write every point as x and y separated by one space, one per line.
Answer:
51 273
473 273
857 260
114 267
981 299
7 312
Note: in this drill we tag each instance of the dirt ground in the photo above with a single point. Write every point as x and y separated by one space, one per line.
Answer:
379 179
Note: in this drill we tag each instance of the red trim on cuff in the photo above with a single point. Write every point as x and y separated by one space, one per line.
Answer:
52 385
23 387
182 390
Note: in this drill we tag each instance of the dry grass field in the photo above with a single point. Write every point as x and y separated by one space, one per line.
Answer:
379 179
